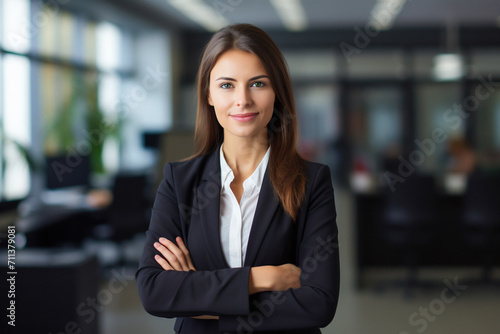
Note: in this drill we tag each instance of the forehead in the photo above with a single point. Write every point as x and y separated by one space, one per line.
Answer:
238 63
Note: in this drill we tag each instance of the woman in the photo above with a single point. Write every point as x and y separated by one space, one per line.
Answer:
243 235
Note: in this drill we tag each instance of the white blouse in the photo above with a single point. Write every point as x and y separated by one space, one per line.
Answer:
236 219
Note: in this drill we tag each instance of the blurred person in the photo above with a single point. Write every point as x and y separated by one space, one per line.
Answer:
243 235
462 156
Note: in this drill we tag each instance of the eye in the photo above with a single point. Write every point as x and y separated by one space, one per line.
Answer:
258 84
226 85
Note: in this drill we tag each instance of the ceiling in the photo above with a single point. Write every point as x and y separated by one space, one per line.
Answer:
325 14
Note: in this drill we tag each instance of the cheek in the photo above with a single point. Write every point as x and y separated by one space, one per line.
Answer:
221 115
220 102
267 103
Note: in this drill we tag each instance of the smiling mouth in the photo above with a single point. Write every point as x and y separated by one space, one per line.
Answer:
244 117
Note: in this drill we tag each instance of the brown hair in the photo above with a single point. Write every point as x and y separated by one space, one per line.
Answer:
286 167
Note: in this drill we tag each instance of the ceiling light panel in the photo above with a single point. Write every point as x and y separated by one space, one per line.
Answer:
201 13
291 13
385 12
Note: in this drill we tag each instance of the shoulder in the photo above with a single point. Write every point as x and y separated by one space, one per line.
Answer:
187 165
316 171
318 182
192 169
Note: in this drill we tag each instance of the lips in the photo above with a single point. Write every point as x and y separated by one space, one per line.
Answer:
244 117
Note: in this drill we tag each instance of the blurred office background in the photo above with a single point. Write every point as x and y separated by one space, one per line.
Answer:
400 98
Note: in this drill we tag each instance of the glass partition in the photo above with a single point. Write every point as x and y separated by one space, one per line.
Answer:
319 122
375 125
438 110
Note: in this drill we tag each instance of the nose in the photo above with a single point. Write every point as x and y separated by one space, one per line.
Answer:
243 98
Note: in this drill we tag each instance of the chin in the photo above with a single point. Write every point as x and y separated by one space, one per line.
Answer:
247 134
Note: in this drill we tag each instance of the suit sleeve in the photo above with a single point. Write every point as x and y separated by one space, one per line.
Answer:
314 304
177 293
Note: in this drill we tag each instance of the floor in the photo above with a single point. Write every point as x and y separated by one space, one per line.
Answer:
452 306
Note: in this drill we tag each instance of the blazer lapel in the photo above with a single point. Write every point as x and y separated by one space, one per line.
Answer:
266 208
208 201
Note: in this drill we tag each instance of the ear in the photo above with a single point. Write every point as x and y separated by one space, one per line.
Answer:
210 100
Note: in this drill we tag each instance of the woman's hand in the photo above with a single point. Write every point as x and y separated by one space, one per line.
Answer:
274 278
175 257
289 277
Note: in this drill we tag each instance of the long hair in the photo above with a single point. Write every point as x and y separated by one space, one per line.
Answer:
286 167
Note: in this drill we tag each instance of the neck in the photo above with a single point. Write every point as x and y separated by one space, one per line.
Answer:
244 155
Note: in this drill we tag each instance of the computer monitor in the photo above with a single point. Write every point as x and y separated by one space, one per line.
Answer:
152 139
67 170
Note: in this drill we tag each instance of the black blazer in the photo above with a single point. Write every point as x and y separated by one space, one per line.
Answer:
187 205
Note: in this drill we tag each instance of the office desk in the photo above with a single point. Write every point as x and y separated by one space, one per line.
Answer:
49 222
446 250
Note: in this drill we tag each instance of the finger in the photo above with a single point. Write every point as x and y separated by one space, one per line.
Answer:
298 271
163 263
179 255
169 256
184 249
291 276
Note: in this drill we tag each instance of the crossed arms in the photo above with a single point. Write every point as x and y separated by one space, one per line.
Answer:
302 296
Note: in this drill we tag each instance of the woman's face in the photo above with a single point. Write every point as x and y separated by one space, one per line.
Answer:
241 93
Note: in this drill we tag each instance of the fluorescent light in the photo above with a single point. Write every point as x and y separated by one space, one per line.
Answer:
448 66
291 13
385 12
201 13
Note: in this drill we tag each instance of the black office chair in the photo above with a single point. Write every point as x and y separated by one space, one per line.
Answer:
409 224
128 213
481 221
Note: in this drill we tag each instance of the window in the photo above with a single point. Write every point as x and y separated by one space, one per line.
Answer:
54 87
15 102
15 30
16 126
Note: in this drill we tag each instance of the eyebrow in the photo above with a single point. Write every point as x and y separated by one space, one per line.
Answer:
251 79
